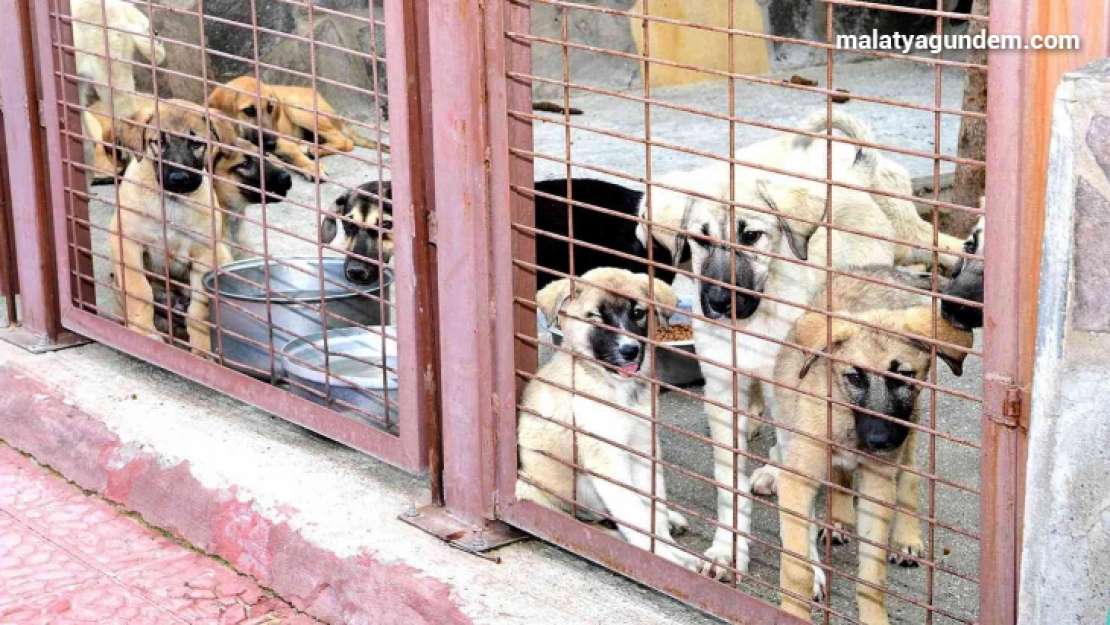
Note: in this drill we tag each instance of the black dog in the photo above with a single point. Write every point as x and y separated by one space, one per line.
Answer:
362 221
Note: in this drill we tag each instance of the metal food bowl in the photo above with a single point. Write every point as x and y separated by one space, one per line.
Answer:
348 375
671 367
248 334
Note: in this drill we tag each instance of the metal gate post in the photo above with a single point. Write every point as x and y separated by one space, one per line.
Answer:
41 327
1020 93
461 148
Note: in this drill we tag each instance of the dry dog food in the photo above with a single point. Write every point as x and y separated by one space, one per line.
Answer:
677 332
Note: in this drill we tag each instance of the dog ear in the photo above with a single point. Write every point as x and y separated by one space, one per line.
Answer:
223 131
920 321
664 294
798 242
681 252
328 230
812 331
223 100
132 133
551 298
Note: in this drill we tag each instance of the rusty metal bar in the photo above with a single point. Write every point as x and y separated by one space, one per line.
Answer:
41 315
9 283
461 141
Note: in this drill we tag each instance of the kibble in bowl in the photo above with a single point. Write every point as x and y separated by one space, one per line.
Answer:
675 333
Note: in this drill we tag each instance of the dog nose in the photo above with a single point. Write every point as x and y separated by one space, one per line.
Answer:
630 351
359 274
282 181
177 179
880 441
719 300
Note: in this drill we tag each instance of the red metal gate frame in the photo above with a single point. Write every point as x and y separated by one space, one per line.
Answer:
467 40
62 123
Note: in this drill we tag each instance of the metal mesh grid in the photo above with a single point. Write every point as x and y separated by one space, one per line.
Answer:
230 192
672 159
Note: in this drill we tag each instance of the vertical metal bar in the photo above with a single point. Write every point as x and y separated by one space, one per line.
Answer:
30 206
9 285
408 86
1018 112
461 145
510 208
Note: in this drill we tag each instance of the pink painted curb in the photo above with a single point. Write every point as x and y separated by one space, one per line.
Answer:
35 419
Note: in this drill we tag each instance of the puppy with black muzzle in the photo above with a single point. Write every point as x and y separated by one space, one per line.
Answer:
367 216
967 283
174 156
739 255
604 322
240 177
877 373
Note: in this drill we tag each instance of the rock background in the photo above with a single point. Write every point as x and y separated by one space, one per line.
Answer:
232 44
342 43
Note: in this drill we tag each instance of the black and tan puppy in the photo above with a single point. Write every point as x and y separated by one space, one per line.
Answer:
240 177
172 153
367 216
876 379
290 130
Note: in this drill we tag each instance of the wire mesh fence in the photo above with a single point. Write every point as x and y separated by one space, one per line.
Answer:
230 191
746 297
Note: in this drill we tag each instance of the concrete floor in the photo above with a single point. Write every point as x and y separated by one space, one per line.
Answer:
903 127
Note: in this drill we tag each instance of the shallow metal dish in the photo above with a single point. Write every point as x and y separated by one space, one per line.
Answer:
355 382
248 335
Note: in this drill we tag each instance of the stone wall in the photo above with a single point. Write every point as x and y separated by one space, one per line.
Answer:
230 39
285 60
1066 555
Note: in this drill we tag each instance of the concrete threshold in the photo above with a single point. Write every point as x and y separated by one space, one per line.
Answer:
311 520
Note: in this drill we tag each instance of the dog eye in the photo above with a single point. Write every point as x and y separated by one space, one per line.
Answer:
594 316
638 314
751 237
270 107
387 224
969 246
250 111
855 378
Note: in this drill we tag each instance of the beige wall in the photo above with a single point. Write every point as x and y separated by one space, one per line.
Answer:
699 47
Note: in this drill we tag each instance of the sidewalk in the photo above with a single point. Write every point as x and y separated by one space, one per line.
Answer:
68 557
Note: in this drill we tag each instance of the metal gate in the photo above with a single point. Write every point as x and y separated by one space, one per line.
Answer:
957 537
293 253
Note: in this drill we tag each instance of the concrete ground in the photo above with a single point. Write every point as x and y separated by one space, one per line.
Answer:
70 557
902 127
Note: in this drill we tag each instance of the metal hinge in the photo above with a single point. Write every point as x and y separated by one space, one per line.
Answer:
1011 408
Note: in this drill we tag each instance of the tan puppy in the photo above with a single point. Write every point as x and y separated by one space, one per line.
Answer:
147 227
607 366
867 381
285 115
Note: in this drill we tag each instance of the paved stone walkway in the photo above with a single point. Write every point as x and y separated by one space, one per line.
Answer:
67 557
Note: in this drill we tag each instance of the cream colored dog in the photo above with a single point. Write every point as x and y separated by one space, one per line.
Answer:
609 363
859 166
128 30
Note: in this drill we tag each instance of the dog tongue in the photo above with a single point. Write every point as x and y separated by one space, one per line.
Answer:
629 369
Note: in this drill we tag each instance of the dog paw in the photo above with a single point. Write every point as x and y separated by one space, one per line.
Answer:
718 562
677 556
820 584
839 535
678 523
765 481
904 556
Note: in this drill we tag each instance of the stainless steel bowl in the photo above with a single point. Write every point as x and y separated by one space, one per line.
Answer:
672 367
355 383
247 334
